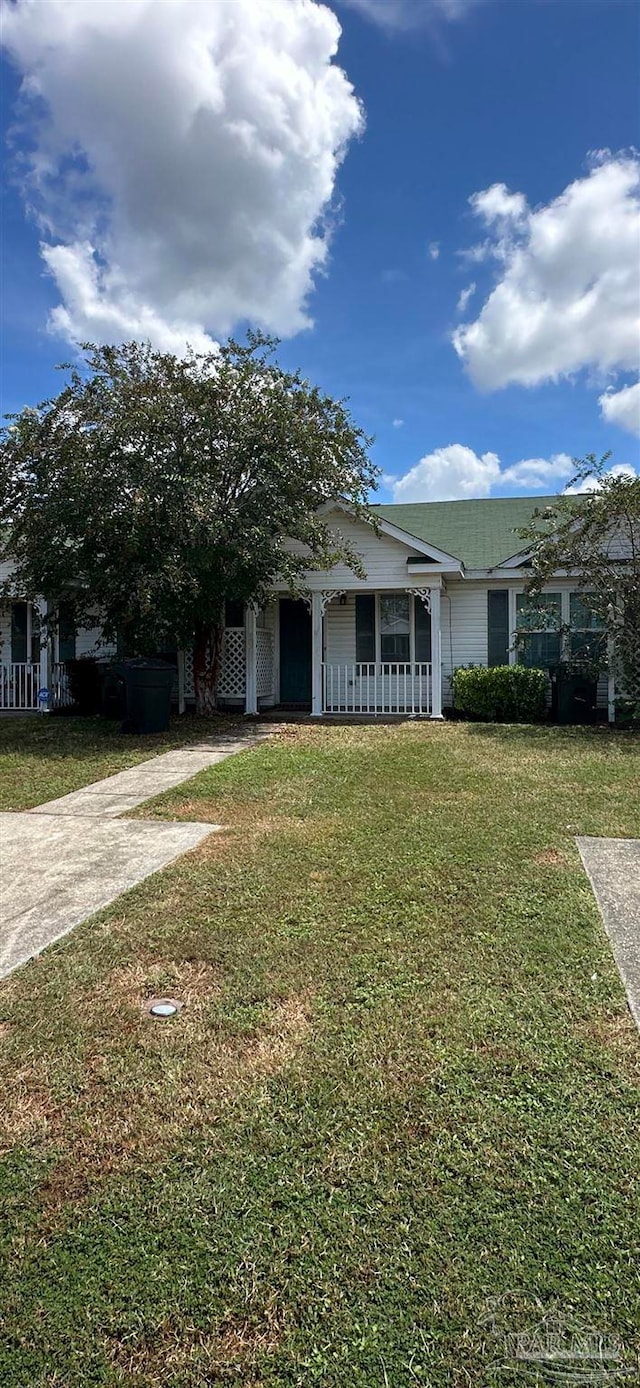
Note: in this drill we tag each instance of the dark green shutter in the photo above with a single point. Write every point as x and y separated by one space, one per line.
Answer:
66 633
18 633
365 627
423 631
498 626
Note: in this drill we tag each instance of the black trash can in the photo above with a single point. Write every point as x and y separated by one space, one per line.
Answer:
84 684
113 691
148 684
574 698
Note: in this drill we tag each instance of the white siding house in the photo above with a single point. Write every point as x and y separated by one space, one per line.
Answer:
441 587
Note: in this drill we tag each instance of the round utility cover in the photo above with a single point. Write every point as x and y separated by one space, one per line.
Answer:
161 1008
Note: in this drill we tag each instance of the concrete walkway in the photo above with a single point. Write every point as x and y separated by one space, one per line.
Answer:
122 792
613 868
66 859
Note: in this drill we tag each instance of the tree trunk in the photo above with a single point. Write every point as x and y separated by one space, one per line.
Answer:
207 655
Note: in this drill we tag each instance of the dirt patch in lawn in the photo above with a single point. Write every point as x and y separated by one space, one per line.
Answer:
143 1085
616 1033
177 1348
551 857
194 982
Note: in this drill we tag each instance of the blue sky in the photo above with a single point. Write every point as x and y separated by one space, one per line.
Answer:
188 234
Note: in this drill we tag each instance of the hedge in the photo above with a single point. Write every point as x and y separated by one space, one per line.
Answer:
500 693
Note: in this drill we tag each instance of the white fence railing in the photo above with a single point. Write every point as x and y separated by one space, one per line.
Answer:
389 687
19 685
60 690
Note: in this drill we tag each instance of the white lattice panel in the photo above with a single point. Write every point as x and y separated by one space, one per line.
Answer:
264 663
189 687
231 684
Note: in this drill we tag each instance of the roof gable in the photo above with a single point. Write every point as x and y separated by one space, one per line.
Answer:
421 547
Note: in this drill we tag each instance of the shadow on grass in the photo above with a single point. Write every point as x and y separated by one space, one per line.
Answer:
52 737
561 734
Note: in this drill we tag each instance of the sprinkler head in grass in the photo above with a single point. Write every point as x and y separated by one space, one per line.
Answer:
162 1008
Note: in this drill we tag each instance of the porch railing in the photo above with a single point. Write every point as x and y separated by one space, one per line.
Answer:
19 685
60 691
389 687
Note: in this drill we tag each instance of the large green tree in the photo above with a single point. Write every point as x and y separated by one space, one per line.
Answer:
593 534
155 489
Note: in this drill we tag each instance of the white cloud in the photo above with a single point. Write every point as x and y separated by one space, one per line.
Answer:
434 250
398 423
497 204
448 474
455 473
400 15
464 296
568 295
622 407
538 473
184 159
593 484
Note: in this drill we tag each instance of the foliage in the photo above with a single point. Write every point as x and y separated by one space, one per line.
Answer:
402 1082
594 534
500 693
155 489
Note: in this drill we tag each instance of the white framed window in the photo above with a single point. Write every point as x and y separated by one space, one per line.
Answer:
538 622
394 627
587 637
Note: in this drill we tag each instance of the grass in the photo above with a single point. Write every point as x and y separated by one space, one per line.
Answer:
45 756
405 1079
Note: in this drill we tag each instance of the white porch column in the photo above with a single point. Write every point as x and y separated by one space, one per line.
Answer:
436 655
251 652
45 675
318 602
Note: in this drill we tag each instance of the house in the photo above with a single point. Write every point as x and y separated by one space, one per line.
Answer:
444 586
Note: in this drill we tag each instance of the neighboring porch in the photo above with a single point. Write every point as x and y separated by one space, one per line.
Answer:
32 675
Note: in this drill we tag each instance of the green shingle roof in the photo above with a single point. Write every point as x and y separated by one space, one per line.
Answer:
480 533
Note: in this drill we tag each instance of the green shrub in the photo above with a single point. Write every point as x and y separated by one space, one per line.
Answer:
500 694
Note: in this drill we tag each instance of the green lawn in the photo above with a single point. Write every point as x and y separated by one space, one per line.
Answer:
46 756
404 1081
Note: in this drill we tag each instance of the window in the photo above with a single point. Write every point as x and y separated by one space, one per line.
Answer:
395 628
538 622
25 633
587 640
19 633
400 637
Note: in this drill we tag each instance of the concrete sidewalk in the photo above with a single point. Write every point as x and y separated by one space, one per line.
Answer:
117 794
613 868
66 859
56 871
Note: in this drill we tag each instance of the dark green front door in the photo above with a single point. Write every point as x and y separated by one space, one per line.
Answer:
295 652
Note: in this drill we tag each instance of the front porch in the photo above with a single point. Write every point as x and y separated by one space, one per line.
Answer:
374 652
